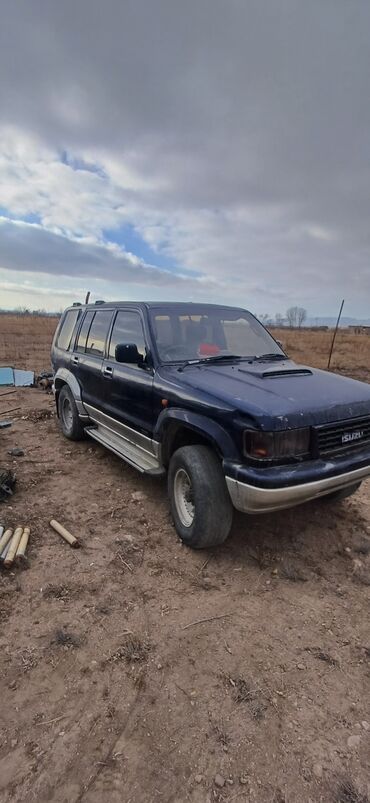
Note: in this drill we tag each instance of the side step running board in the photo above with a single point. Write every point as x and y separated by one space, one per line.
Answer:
134 455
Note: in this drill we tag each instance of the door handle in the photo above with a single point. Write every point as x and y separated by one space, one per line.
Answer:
108 371
75 360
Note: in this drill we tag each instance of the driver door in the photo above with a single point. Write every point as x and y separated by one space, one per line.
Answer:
128 389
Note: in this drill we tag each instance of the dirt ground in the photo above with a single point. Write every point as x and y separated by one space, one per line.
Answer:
113 691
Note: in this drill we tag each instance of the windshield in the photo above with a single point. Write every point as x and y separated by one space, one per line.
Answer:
192 333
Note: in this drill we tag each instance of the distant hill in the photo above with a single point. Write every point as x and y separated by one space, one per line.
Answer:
331 321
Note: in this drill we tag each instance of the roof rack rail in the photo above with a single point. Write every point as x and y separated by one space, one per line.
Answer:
100 301
77 304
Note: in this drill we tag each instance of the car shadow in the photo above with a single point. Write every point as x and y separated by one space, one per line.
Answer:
313 532
309 536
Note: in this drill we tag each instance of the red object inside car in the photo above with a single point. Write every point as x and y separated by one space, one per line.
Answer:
209 350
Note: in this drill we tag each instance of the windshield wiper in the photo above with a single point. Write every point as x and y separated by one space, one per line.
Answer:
214 358
273 356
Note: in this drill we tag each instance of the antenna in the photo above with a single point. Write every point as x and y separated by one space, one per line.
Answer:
87 297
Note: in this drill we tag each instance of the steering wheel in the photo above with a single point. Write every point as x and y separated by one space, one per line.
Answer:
177 352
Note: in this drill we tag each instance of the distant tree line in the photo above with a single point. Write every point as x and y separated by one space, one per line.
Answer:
294 317
32 312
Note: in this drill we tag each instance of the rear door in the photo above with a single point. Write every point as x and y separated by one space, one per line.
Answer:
87 359
129 388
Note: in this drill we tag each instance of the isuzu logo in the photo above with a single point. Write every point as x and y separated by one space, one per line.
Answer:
347 437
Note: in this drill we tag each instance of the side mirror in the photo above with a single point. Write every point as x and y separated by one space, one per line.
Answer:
128 352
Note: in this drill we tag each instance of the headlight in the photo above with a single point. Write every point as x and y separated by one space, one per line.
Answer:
276 445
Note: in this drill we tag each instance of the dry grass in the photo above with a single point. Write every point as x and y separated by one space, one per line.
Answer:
347 792
289 571
351 355
63 638
25 340
246 691
133 649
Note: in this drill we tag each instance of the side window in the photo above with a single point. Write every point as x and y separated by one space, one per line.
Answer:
98 332
84 331
66 330
127 328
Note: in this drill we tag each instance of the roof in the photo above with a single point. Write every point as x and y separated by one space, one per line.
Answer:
155 305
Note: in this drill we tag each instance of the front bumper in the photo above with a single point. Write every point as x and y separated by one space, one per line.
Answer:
253 499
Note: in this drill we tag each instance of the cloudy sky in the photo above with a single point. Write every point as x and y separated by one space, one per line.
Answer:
214 150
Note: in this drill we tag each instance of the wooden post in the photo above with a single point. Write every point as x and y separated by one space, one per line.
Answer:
64 533
14 544
4 540
21 551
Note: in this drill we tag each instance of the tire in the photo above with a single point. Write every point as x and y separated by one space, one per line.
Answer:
200 503
68 415
342 493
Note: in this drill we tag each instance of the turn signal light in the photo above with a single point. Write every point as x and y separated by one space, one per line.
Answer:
276 445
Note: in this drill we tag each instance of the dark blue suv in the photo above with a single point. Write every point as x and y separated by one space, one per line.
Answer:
204 393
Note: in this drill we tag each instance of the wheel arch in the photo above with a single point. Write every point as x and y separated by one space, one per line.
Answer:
176 428
65 377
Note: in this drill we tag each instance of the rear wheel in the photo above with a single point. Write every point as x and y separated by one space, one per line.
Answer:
68 415
200 502
342 493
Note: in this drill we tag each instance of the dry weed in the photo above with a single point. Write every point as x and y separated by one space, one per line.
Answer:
347 792
245 691
64 638
291 572
134 649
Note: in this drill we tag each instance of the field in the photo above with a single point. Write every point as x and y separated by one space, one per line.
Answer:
25 340
351 354
136 671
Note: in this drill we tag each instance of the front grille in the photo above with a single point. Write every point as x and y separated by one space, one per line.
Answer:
343 436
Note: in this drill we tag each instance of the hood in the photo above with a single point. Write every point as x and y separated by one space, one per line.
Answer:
292 395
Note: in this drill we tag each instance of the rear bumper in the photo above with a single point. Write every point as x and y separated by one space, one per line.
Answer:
253 499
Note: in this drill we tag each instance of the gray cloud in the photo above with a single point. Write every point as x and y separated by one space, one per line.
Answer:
249 120
30 248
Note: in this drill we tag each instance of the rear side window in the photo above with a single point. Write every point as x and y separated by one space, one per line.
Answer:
98 332
127 328
66 330
84 331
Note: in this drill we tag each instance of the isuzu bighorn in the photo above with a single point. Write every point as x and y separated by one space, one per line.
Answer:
205 394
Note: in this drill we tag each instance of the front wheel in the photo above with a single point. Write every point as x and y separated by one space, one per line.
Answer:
200 502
